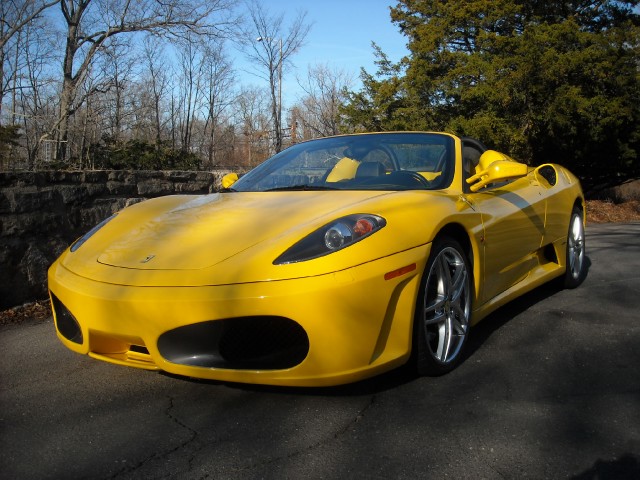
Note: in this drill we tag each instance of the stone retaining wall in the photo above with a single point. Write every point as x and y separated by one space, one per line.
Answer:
41 213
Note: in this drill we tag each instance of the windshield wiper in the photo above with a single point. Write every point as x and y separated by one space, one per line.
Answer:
303 187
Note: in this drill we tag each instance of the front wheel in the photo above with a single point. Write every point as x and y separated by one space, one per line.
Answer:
576 259
441 324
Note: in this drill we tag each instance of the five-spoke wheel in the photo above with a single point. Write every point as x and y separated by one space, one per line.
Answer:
576 261
443 309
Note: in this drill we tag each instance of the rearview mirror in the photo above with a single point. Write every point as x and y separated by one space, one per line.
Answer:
496 167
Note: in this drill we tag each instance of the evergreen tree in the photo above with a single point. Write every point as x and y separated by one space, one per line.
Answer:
548 81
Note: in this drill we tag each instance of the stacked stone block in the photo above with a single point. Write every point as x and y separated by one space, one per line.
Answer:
41 213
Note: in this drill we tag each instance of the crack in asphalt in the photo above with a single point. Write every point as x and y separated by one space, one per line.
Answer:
174 419
358 417
194 434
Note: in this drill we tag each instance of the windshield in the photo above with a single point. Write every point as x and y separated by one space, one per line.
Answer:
378 161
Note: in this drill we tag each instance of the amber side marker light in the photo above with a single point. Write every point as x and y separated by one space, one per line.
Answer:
399 272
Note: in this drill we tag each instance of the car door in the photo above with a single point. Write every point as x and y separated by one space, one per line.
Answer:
513 216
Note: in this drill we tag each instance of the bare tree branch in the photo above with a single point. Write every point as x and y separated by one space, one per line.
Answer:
317 115
91 23
14 15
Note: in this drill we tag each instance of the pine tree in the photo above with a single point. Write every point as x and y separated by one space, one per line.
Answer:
547 81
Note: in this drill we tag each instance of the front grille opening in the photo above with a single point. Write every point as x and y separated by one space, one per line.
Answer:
250 343
66 323
139 349
122 349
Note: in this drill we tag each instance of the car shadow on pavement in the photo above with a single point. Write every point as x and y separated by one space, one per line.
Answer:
483 330
627 467
370 386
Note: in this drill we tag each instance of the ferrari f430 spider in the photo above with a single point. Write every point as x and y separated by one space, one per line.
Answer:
335 260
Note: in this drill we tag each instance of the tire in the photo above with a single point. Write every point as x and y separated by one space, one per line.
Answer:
576 257
443 310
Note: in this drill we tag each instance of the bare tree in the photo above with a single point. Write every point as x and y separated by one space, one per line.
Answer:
28 88
269 43
190 64
157 85
15 15
217 82
253 122
317 115
119 67
91 24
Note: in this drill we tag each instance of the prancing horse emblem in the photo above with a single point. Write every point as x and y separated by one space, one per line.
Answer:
147 259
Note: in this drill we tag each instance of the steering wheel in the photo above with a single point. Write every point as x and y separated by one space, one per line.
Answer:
413 176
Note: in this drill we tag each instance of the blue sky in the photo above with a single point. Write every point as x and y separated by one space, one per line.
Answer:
340 36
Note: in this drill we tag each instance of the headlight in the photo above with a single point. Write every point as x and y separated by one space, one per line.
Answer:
78 243
332 237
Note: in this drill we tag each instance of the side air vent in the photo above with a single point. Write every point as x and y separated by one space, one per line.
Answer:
549 174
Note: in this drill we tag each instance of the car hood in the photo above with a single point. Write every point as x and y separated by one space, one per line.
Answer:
205 231
228 238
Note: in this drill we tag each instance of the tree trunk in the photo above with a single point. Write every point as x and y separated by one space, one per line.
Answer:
69 82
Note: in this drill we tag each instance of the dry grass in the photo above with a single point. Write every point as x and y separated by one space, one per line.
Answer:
39 310
606 211
619 204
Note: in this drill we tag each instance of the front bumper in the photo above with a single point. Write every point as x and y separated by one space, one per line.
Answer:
339 327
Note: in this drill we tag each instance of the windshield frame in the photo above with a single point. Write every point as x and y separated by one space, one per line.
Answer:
390 149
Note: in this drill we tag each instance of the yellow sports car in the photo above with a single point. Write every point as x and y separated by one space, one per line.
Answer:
335 260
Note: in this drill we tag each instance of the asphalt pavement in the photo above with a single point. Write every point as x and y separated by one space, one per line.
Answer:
550 388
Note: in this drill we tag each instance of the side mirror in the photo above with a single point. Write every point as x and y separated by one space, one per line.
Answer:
229 179
496 167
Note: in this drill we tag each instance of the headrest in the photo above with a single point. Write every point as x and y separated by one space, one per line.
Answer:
370 169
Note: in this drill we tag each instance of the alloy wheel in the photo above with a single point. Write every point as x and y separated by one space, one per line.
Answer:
446 305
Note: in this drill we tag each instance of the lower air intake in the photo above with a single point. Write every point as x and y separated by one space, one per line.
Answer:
249 343
66 323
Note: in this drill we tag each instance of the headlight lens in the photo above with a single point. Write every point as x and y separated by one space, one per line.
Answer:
337 236
332 237
79 242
